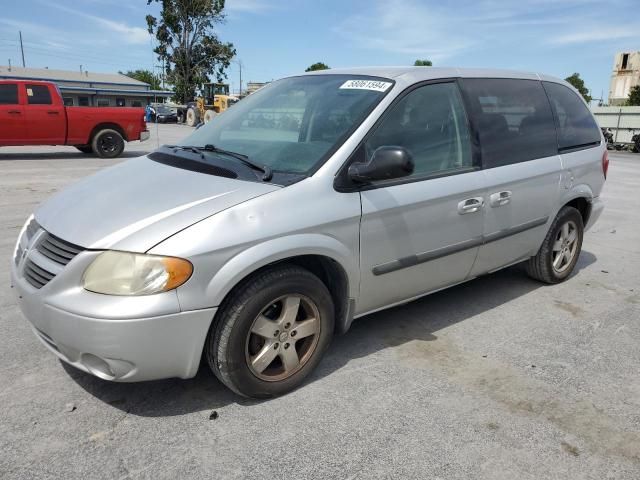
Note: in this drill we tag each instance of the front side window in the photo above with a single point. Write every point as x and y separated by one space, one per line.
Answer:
38 95
291 125
576 126
430 123
513 119
8 94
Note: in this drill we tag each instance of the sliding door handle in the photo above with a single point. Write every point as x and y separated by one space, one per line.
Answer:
470 205
499 199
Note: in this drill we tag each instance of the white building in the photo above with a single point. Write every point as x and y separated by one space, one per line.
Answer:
626 75
85 89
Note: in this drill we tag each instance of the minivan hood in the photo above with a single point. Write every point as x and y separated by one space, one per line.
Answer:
138 203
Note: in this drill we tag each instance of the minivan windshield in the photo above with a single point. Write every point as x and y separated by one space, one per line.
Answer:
292 125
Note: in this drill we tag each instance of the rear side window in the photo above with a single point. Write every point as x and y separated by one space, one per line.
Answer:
576 126
38 95
513 119
8 94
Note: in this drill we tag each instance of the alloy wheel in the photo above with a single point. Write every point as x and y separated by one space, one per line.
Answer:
565 247
283 337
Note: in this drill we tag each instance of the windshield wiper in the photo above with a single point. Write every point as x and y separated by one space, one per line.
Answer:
267 173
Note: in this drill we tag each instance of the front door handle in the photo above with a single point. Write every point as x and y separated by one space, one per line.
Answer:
470 205
53 112
499 199
14 112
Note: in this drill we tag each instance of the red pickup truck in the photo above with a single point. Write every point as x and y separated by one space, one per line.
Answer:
33 113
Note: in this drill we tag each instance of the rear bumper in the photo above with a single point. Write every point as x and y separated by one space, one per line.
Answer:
123 350
144 136
597 206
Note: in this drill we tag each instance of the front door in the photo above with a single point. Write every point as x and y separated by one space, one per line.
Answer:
46 120
12 120
422 232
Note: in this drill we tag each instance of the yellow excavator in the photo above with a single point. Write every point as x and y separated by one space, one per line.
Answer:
215 99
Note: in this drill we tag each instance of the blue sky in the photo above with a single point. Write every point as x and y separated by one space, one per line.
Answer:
275 38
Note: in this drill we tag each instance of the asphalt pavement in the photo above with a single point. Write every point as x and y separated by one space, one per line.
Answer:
498 378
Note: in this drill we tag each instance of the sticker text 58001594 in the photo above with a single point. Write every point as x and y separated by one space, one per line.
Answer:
375 85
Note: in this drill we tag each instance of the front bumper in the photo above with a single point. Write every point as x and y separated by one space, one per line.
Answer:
120 348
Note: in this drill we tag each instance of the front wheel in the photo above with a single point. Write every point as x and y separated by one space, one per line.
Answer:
560 249
107 143
271 333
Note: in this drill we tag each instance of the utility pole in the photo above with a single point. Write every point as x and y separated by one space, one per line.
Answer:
9 64
239 62
21 49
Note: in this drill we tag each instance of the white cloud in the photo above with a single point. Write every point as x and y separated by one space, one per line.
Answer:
439 30
127 33
596 34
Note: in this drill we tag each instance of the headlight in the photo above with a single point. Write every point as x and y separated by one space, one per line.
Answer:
122 273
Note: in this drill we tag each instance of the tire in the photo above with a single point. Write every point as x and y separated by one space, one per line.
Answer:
192 117
558 254
237 354
209 115
108 143
85 148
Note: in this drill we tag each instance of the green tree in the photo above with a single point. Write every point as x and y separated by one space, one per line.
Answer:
188 44
634 96
145 76
317 66
423 63
578 83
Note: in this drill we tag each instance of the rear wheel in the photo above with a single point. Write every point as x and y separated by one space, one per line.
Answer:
108 143
192 117
271 332
209 115
560 250
85 148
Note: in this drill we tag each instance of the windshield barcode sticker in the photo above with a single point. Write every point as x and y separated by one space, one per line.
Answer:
366 85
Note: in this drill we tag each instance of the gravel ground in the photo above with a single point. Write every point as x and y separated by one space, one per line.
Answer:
499 378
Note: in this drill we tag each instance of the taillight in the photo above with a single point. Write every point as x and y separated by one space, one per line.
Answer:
605 163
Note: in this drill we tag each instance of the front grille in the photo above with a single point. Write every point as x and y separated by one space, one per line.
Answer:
37 276
58 250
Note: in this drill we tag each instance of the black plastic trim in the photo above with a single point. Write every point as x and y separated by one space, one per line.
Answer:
431 255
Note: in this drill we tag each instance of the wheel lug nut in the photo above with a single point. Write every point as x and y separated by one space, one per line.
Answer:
275 346
293 333
287 325
286 345
276 333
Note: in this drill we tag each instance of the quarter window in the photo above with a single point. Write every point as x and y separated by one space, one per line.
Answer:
38 95
513 119
8 94
576 126
430 123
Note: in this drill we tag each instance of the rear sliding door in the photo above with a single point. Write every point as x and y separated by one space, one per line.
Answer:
519 154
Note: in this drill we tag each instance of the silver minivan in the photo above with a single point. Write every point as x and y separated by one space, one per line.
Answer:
316 200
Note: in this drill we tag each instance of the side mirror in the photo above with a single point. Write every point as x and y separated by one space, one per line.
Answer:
387 163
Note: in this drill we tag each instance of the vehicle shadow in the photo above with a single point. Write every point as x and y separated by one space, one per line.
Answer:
418 320
66 155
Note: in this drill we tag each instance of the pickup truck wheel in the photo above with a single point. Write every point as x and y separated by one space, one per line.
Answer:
107 143
85 148
560 249
271 332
